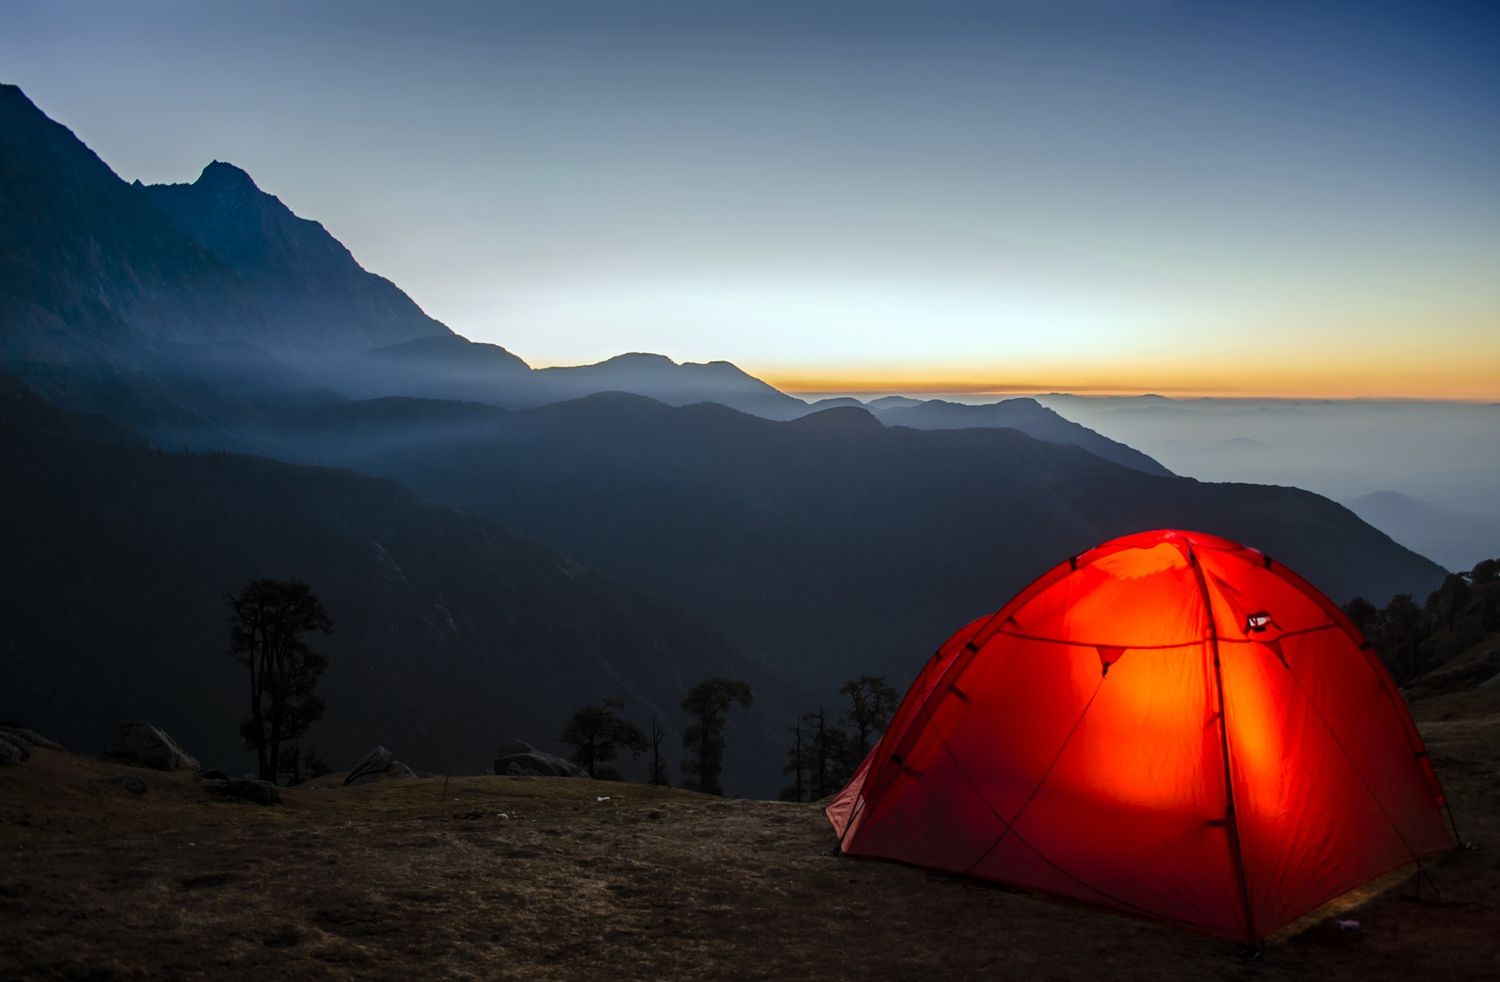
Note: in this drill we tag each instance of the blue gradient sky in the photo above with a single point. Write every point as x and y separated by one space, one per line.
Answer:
1121 195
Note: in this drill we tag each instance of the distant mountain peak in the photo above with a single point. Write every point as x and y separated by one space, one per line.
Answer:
845 419
222 174
642 358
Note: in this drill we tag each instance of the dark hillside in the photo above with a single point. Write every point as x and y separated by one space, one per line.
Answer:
451 634
830 544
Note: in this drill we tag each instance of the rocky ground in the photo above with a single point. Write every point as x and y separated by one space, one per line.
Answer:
541 878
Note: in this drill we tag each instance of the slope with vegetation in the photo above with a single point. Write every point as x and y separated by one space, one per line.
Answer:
831 545
1449 643
450 634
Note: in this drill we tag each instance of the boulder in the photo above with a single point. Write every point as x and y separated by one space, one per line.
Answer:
517 757
378 765
246 789
149 746
30 736
21 745
10 755
132 784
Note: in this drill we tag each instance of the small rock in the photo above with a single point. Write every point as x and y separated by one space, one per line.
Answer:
150 746
378 765
373 763
248 789
21 744
30 736
517 757
132 784
10 755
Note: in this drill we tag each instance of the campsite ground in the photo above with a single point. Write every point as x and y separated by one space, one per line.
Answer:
538 878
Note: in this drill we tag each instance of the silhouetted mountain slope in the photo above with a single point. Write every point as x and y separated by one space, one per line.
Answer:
450 633
891 402
312 292
88 265
1026 415
1446 535
108 306
455 368
674 384
133 300
829 545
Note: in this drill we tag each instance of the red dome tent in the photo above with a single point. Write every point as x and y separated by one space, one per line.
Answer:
1170 724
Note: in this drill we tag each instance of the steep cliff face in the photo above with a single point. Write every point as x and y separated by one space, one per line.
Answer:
312 291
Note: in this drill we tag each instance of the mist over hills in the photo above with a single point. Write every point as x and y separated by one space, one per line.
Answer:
1026 415
450 636
723 526
825 545
1441 458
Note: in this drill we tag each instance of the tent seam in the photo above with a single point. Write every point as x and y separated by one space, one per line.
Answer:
1010 825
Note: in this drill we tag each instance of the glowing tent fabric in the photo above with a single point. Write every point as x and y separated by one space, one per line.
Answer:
1171 724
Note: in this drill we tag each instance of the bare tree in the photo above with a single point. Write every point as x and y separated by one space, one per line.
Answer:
796 765
658 762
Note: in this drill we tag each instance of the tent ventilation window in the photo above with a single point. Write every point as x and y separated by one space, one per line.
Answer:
1257 622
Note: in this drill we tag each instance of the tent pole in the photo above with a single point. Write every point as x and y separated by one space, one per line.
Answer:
1231 819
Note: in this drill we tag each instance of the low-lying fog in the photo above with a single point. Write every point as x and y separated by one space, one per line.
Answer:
1425 473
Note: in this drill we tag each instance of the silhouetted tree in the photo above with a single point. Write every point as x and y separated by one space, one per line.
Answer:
1486 571
298 718
871 703
596 735
827 752
1365 615
1446 602
707 705
658 761
1401 632
268 621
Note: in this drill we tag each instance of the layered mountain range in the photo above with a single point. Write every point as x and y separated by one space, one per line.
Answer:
622 528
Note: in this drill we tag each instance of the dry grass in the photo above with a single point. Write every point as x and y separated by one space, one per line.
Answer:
403 880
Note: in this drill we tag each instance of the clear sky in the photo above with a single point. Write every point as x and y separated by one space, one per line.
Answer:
1094 195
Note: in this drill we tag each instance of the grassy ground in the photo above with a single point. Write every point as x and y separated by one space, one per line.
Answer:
537 878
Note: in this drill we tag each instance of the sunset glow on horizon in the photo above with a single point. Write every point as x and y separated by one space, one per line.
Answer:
1397 382
1124 196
